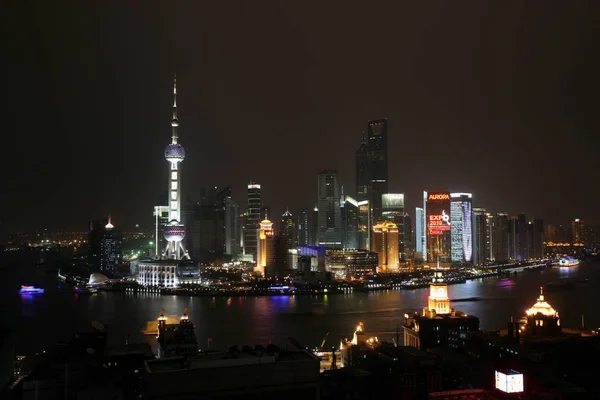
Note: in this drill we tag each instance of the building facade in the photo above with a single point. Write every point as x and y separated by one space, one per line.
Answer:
461 227
392 209
329 211
480 236
385 243
438 227
266 252
252 220
350 217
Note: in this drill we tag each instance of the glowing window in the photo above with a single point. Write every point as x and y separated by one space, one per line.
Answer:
173 185
174 175
174 195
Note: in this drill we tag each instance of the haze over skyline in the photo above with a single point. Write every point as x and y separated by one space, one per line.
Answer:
494 99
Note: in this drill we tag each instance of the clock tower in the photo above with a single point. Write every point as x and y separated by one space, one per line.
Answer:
438 295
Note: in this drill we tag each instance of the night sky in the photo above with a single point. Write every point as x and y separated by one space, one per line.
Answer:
496 99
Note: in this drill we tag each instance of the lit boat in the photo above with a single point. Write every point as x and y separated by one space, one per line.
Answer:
568 262
30 290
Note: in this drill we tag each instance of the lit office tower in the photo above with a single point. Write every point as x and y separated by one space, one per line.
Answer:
372 166
303 231
577 231
265 261
489 237
385 243
350 216
330 218
174 230
252 219
437 242
232 225
461 226
392 209
314 227
419 233
109 249
479 236
364 225
287 241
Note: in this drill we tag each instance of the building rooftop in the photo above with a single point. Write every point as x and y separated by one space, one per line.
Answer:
467 394
232 358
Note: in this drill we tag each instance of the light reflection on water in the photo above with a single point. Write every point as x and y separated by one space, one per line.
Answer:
252 320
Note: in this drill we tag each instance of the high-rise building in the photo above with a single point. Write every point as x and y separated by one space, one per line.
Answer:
378 152
385 243
461 227
350 218
438 227
303 229
174 230
266 251
232 227
109 249
314 227
287 241
408 242
330 218
577 229
420 249
365 224
392 209
501 240
372 166
252 219
479 236
536 228
489 237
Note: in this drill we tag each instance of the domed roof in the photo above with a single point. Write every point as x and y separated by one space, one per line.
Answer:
542 307
174 152
266 224
97 278
174 231
174 122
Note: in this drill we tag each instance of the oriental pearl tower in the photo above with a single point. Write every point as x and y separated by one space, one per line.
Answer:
174 231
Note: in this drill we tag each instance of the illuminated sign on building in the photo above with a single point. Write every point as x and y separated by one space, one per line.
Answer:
439 196
439 223
509 382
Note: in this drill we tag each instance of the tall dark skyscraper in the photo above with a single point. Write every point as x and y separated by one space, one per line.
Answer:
372 166
253 218
103 253
330 214
303 230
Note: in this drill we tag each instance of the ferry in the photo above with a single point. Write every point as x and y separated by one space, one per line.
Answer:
30 290
568 262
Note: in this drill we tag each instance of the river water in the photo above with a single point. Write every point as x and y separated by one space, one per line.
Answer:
42 320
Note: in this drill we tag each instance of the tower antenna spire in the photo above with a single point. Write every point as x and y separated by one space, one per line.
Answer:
175 120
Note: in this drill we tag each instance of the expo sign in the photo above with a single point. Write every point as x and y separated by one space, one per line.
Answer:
438 223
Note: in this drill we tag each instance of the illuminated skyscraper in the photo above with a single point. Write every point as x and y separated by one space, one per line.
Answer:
109 249
437 227
265 261
330 217
392 206
419 233
287 241
461 226
174 230
489 237
252 220
349 222
365 224
500 242
385 243
303 229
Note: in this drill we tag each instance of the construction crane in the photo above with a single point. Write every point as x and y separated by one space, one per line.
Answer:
322 347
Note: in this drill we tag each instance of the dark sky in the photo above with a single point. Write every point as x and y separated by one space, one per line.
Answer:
497 99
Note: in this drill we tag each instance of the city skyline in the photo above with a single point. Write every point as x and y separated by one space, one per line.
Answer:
94 128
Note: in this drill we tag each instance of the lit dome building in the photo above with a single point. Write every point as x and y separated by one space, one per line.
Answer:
97 278
542 319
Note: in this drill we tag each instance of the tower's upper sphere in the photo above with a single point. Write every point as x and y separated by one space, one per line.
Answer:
174 231
174 123
174 152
